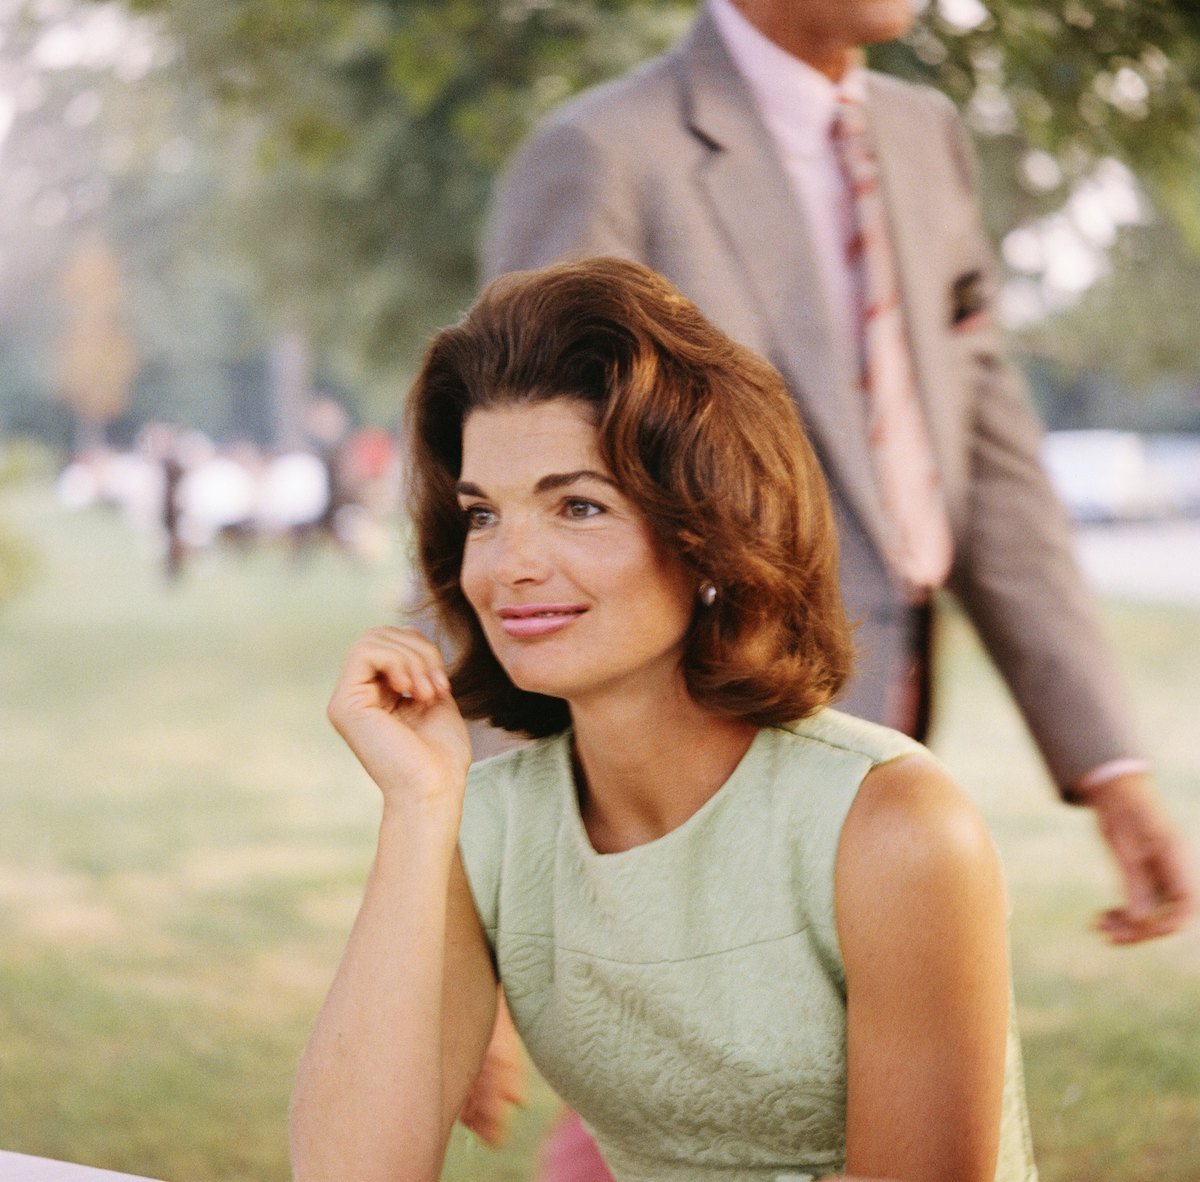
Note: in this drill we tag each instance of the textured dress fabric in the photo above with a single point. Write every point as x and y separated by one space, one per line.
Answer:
687 996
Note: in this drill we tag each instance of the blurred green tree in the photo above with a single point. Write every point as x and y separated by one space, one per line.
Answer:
1077 81
365 134
97 358
318 168
1056 94
360 139
100 135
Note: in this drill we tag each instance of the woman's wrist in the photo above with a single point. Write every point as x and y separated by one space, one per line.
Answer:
428 819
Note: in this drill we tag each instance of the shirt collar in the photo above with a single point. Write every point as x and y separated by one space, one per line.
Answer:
797 101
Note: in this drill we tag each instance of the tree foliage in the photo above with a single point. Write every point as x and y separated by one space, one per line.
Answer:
101 139
321 167
368 132
1080 81
97 358
361 138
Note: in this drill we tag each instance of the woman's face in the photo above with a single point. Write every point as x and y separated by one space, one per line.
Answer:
574 593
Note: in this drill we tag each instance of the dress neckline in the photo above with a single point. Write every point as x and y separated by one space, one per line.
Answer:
672 837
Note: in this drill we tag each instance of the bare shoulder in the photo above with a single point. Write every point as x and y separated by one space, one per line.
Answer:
921 923
913 830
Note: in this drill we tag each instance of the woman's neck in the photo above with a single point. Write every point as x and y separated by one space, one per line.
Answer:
644 767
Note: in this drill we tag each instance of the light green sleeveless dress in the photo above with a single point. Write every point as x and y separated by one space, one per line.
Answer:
687 997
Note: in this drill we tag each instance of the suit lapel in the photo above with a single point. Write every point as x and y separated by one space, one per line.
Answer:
750 197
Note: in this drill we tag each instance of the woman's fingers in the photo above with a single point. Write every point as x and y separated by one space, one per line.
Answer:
393 707
385 667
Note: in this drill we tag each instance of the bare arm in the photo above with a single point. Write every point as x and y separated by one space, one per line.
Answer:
921 911
403 1028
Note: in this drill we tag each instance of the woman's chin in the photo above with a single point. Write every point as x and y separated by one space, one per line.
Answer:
531 683
536 686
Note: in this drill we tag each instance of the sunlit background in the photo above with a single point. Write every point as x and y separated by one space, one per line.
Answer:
227 228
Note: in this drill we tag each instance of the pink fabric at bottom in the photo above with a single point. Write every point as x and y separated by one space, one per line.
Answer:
570 1155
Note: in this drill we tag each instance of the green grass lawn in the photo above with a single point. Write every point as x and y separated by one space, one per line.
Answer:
183 840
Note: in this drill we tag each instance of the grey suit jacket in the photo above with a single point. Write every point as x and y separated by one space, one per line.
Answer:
672 165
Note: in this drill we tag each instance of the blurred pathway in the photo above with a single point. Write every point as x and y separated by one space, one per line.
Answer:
1149 562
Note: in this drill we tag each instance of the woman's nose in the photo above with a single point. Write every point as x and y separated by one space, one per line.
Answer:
518 555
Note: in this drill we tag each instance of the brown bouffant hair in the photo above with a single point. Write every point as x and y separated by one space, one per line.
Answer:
697 431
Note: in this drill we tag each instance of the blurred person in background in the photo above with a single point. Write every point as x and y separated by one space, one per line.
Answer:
185 493
219 491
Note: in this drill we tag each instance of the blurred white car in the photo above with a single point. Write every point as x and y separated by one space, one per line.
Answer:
1106 476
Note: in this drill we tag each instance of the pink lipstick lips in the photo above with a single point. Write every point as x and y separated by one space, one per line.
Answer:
537 619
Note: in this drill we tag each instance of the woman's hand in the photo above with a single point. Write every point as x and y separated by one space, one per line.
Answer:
500 1085
393 707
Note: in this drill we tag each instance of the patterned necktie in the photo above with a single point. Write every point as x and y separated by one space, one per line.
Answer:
920 546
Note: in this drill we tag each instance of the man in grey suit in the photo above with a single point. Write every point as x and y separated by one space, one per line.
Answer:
686 165
713 165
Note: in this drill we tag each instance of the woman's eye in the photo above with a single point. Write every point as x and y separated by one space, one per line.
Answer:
578 509
478 517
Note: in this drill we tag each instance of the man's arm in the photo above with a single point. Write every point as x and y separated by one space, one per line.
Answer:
1018 579
1023 591
1151 856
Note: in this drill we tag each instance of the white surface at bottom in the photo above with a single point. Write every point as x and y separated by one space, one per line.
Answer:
20 1167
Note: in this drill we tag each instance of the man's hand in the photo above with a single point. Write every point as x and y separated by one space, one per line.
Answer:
500 1085
1154 862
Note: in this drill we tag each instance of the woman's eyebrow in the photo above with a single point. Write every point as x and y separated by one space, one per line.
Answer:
556 480
547 483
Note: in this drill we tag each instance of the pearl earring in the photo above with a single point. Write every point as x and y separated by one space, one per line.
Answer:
708 593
